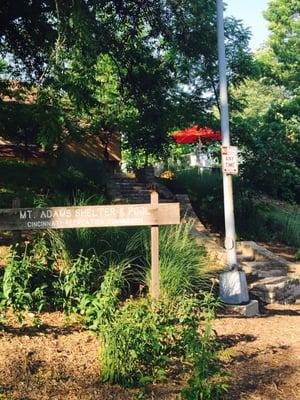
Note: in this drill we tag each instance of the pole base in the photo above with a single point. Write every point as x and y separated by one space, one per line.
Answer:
233 287
247 310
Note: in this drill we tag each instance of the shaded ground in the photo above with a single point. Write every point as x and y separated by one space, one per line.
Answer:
265 354
60 360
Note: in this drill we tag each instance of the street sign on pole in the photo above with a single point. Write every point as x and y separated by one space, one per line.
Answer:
230 237
230 165
227 284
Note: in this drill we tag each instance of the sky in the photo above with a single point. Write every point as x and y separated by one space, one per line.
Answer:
250 12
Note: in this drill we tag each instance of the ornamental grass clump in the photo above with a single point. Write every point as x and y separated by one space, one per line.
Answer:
183 263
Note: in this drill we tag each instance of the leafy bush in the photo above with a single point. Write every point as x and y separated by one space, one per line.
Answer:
208 380
134 344
76 279
28 280
145 338
99 308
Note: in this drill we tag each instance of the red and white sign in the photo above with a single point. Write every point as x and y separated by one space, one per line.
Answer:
230 164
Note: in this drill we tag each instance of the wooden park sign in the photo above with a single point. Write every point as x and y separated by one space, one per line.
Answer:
153 214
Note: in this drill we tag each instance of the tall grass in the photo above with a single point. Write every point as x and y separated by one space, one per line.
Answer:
283 225
182 262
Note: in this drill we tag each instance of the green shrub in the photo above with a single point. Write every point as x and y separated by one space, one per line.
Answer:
134 344
28 280
208 381
98 309
76 279
146 338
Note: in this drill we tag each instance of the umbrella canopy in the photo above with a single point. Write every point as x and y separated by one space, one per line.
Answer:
196 134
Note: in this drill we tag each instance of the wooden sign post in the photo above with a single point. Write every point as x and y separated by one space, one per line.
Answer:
154 289
153 214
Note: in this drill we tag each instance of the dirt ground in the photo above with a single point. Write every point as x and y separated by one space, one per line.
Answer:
57 361
264 353
60 360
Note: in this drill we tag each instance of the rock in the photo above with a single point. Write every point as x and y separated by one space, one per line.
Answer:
248 310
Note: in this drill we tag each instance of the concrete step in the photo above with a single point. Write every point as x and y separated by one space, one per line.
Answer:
129 184
139 191
241 258
280 289
263 269
259 253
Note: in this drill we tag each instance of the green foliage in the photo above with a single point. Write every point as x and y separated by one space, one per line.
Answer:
81 276
283 18
182 261
100 307
297 255
28 279
205 191
208 381
118 67
133 346
52 185
255 219
280 224
145 338
267 131
265 121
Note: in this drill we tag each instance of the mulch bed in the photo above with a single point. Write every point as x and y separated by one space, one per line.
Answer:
60 360
264 353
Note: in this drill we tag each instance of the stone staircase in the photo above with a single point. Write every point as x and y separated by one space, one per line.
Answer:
271 278
124 188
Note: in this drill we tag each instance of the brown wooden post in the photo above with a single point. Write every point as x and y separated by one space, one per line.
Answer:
154 287
16 203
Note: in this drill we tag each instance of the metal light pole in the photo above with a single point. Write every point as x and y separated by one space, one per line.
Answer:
233 287
230 242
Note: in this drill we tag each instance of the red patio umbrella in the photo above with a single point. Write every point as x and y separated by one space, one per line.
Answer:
195 134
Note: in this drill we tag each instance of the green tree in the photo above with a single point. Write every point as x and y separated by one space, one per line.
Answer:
284 23
143 68
266 129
